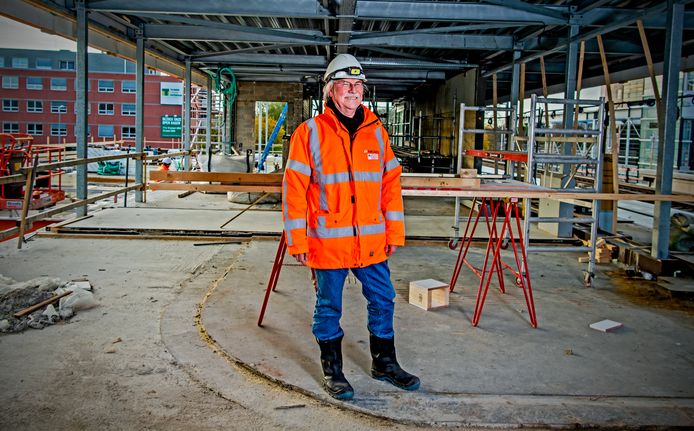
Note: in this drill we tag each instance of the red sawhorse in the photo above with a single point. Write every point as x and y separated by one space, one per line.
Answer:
489 208
275 275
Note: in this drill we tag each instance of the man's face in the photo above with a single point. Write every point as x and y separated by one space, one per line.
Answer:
347 95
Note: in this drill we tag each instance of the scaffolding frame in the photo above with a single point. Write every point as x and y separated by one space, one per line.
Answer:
553 152
462 131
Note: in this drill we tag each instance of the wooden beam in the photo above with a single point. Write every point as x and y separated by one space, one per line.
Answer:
545 93
579 83
651 70
537 194
218 177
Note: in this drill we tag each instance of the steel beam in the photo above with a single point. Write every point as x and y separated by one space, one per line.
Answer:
203 33
570 78
515 89
277 59
81 103
186 113
208 125
447 41
139 109
345 23
627 20
666 129
295 8
439 11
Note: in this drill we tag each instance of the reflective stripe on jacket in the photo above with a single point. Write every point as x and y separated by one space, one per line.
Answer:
341 197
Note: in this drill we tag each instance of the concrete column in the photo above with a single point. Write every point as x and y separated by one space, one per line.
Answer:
666 131
208 128
139 108
81 104
186 113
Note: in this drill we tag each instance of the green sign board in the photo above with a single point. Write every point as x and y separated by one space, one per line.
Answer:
171 126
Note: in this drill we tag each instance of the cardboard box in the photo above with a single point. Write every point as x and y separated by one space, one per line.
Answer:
429 294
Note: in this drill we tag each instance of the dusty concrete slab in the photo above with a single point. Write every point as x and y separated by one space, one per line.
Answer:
500 373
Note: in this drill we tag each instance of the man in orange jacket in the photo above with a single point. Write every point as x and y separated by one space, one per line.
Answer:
342 211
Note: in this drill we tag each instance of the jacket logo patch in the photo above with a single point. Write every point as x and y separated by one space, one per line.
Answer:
372 155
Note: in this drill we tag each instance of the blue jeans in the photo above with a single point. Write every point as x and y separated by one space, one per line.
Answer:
376 288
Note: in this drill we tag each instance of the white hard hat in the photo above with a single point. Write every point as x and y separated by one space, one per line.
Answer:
344 66
166 161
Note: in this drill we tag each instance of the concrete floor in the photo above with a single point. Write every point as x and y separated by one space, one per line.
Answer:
502 373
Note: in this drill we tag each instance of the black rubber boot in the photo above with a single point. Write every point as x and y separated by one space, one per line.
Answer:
334 381
385 365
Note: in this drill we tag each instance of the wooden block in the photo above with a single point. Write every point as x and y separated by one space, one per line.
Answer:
584 259
600 242
468 173
429 294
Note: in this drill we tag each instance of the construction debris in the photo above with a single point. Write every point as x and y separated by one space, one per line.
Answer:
29 304
603 252
605 325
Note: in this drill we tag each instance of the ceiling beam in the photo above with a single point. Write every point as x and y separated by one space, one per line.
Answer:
295 8
447 41
203 33
345 23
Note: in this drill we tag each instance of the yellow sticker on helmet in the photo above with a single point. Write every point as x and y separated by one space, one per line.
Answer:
355 71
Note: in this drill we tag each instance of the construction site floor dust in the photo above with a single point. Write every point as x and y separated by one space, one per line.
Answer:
174 343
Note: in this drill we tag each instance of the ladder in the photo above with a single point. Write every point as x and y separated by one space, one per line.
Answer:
549 148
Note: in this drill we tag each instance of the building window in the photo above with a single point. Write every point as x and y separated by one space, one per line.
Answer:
105 86
44 63
128 86
58 129
105 108
2 61
10 82
67 65
59 84
20 62
105 131
34 83
127 132
127 109
10 127
58 107
35 129
34 106
10 105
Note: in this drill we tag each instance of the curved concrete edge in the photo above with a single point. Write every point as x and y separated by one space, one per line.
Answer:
210 366
209 362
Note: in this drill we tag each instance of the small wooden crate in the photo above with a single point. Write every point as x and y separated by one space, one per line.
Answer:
429 294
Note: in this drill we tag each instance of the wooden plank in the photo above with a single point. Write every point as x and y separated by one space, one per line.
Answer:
217 177
439 182
35 307
536 194
202 187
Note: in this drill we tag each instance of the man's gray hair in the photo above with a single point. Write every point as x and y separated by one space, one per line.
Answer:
326 90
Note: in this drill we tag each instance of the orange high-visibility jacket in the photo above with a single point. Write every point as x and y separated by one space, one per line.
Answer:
341 196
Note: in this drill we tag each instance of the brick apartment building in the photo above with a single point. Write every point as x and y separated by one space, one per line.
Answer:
38 97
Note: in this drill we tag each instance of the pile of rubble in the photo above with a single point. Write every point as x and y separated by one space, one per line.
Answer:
41 302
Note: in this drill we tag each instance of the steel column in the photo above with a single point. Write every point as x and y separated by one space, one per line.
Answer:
666 130
515 88
565 230
139 109
186 115
81 126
